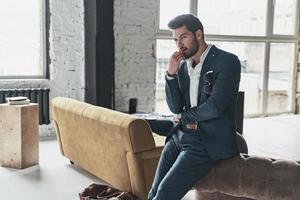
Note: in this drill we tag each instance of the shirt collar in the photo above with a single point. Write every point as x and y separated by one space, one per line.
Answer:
202 58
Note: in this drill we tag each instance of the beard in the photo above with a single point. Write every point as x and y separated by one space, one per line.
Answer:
189 52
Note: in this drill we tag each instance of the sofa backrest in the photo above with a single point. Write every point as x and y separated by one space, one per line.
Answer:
97 139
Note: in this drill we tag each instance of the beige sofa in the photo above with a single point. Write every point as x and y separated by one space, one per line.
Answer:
118 148
121 150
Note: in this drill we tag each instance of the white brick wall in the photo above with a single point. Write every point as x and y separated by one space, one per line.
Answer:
134 27
67 48
66 52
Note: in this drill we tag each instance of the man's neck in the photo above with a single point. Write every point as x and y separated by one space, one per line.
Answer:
196 57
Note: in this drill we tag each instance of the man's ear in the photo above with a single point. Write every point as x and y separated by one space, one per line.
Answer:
199 34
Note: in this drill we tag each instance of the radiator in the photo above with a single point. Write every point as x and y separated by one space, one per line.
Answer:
36 95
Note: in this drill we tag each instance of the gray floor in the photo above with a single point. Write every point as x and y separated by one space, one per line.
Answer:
55 179
276 137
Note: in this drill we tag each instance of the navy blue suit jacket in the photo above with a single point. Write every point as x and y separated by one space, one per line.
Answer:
215 108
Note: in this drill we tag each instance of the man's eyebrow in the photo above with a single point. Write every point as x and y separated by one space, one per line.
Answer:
180 36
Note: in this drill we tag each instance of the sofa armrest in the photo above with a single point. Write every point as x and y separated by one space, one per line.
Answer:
139 137
142 167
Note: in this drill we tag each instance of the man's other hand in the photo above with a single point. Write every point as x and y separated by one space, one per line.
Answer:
193 126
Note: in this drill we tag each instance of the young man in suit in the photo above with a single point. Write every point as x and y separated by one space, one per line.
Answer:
202 83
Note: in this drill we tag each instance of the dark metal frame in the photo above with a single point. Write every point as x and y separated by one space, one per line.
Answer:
99 53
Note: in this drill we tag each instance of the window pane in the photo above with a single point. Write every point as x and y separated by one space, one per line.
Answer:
280 72
284 17
233 17
251 56
20 38
170 9
164 49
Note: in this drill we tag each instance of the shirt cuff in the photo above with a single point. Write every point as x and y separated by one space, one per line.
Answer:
169 77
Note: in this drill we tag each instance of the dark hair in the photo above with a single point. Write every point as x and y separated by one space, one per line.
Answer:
191 22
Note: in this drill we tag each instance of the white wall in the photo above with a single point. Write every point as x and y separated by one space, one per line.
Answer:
135 26
67 48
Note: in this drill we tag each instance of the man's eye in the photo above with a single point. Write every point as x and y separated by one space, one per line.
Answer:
182 38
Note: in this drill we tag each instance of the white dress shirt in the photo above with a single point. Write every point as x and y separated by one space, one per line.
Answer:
194 74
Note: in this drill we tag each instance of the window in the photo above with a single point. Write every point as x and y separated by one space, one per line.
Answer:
285 12
22 36
167 12
164 49
281 66
241 17
251 55
262 33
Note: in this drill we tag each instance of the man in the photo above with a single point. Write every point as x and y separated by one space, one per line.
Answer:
202 83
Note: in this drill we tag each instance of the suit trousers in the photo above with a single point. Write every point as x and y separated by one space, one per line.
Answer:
183 162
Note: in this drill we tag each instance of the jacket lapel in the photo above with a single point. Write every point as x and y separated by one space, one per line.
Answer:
212 54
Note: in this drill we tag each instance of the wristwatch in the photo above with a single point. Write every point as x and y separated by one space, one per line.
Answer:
170 75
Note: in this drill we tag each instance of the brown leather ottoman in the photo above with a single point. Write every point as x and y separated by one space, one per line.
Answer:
251 177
